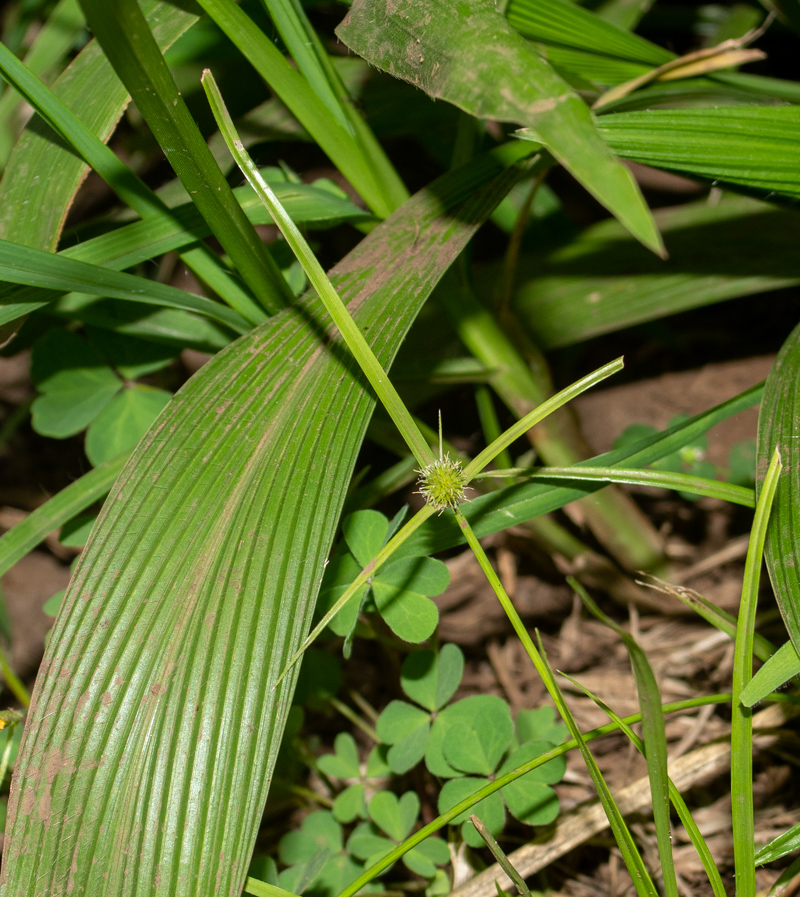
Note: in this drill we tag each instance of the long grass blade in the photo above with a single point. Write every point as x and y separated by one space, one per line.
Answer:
741 716
696 837
383 194
132 49
681 482
655 738
58 510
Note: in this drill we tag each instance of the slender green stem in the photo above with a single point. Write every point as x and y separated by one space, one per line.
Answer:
742 716
14 683
355 719
319 280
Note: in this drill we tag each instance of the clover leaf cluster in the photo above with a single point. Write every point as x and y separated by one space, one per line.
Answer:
470 743
400 591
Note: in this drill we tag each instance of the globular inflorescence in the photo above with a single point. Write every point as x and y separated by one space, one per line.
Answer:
442 483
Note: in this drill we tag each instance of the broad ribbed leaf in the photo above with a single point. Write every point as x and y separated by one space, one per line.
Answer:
570 25
466 53
756 148
603 281
779 425
156 721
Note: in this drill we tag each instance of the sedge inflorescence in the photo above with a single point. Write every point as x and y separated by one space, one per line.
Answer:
442 483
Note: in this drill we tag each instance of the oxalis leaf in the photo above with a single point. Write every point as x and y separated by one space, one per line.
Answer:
468 54
155 725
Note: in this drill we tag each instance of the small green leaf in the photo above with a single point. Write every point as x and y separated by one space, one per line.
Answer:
425 857
478 745
406 753
548 774
365 533
344 763
351 804
490 810
340 572
318 831
377 767
53 603
410 615
122 423
540 725
530 798
399 720
431 679
365 842
462 711
394 816
75 381
783 666
423 575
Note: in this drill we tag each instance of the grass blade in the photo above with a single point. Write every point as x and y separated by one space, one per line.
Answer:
128 186
736 248
69 502
129 44
709 864
34 267
655 739
315 64
41 168
681 482
382 194
631 856
45 55
779 426
741 716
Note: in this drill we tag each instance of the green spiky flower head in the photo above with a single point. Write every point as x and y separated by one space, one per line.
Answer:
442 483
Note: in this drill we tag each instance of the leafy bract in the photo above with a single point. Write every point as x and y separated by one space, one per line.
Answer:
466 53
156 720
